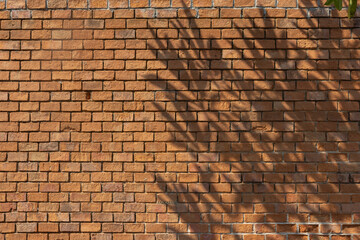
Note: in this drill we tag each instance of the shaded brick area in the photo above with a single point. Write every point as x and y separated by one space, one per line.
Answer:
178 120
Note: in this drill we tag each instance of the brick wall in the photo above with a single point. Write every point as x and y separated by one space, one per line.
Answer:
178 120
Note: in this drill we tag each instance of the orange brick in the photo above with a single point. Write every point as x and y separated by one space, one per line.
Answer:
98 4
77 3
14 4
125 122
36 4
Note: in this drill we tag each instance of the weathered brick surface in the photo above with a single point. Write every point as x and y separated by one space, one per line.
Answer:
178 120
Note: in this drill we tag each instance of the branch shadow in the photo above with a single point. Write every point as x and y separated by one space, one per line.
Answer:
252 107
261 127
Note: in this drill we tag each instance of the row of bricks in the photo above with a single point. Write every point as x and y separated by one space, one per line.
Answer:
177 146
329 80
198 69
196 102
179 157
255 80
200 131
281 140
188 100
196 59
180 58
328 182
129 218
209 180
263 69
56 4
332 90
171 24
267 179
184 59
151 147
195 26
195 35
270 141
293 220
102 161
230 110
149 134
198 62
181 13
274 172
270 94
184 170
39 161
181 228
175 236
104 204
260 187
175 45
162 158
139 187
191 121
197 121
238 208
213 131
206 24
198 77
107 202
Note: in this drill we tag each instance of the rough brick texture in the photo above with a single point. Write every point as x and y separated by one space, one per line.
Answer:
178 120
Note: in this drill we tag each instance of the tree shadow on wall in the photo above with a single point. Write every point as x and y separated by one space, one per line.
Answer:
252 109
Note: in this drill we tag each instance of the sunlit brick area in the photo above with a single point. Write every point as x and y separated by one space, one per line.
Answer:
179 120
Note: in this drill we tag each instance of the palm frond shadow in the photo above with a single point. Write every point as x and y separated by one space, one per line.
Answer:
206 92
